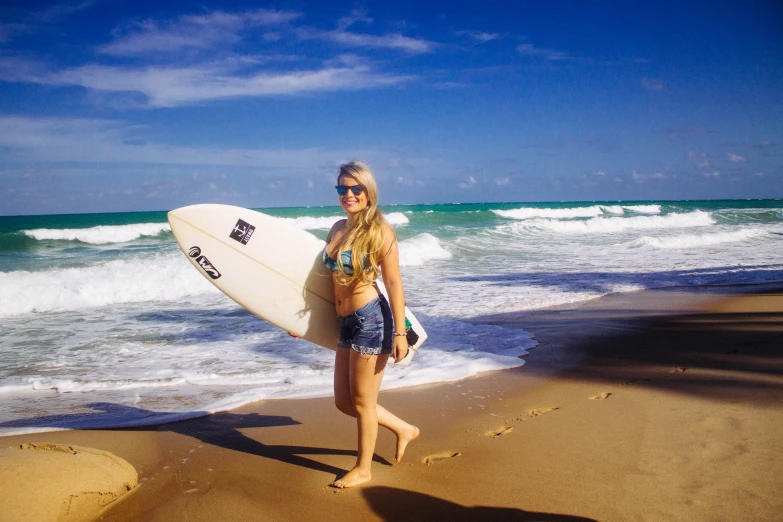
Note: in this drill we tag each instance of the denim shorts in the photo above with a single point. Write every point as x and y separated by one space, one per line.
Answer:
369 330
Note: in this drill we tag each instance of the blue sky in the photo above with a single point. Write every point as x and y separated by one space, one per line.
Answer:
113 106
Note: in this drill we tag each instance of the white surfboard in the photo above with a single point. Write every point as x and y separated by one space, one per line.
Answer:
268 266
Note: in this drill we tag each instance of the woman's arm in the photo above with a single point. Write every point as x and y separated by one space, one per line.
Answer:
390 271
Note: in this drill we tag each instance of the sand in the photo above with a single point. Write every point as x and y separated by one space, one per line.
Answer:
44 482
655 405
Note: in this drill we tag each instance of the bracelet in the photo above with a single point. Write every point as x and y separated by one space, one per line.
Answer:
400 334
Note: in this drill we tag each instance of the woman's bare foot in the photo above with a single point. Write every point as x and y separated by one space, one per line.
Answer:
353 478
403 440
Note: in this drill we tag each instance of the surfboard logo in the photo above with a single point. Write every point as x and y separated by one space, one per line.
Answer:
242 232
203 262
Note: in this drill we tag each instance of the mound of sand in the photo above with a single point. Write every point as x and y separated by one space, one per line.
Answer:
45 482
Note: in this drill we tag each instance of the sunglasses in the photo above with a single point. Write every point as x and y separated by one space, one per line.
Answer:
342 190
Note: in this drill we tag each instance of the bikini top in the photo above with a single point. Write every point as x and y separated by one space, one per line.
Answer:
331 264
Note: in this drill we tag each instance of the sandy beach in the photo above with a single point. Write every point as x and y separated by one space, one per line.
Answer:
653 405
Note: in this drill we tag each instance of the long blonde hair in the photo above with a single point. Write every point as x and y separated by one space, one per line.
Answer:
365 239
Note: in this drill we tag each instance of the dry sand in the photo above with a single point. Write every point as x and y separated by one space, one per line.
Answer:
656 405
50 482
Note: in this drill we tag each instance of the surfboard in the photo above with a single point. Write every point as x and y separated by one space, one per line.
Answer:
270 267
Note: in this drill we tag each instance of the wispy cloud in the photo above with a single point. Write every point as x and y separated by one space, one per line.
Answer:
502 182
195 31
639 177
479 36
59 10
734 158
176 86
356 16
543 53
652 84
385 41
468 183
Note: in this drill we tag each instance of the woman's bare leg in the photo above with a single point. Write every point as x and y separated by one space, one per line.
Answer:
343 400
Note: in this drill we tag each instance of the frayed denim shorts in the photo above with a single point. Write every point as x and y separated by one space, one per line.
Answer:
369 330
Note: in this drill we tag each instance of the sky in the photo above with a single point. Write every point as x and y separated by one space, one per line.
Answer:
117 106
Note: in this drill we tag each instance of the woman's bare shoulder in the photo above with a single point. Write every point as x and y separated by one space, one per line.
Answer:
339 225
389 240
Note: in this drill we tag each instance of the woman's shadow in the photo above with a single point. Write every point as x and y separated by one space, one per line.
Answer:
219 429
398 504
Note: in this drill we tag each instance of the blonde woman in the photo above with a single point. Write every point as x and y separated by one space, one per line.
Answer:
359 249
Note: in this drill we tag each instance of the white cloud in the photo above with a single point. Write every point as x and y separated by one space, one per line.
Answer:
176 86
479 36
407 182
386 41
212 186
714 174
356 16
598 173
736 159
760 174
546 54
310 184
197 31
469 183
500 182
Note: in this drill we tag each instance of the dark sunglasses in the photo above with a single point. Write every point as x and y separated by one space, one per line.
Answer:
342 190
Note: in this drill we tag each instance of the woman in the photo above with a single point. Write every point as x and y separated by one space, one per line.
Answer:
359 249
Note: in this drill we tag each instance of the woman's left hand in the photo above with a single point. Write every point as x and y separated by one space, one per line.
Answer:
399 348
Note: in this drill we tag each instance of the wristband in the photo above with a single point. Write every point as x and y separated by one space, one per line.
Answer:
400 334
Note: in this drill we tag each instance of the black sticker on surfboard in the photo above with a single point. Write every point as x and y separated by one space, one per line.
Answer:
203 262
242 232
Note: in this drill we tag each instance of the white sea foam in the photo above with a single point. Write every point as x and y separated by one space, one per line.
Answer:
148 278
698 240
396 218
644 209
420 249
314 223
100 235
138 383
576 212
325 223
557 213
608 225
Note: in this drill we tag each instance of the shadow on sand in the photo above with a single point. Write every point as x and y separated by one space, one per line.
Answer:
398 504
732 353
219 429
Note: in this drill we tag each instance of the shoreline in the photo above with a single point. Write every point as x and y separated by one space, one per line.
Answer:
659 404
526 320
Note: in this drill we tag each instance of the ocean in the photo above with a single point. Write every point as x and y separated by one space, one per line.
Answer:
104 322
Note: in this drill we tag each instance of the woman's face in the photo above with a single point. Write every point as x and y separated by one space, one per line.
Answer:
351 202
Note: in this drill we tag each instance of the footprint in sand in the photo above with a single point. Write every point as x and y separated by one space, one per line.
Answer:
537 413
431 459
503 430
599 396
679 369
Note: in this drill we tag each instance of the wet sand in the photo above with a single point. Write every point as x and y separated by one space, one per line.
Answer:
654 405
